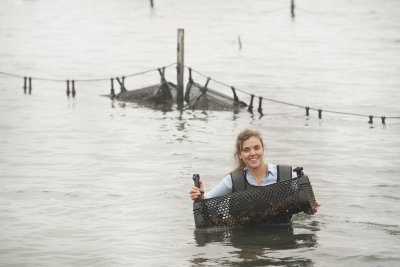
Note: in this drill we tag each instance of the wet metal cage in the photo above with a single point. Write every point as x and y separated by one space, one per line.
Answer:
274 203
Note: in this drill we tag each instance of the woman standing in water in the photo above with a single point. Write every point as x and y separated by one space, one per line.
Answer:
249 159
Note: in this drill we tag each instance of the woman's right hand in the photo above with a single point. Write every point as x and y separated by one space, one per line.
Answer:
197 193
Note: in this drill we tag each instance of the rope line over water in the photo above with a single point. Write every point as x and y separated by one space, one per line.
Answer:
70 84
28 80
82 80
307 108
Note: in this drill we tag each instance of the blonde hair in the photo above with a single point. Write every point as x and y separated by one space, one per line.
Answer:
243 136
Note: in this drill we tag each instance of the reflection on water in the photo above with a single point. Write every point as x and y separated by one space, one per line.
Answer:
257 244
163 107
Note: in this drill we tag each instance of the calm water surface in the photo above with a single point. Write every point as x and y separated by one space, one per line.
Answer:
91 182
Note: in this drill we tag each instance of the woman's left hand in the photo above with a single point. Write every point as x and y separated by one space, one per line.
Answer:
312 211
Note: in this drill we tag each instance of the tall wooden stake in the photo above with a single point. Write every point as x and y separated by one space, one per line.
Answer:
151 4
180 67
292 8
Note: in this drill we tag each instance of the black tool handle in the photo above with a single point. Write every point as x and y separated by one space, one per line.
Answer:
299 171
196 180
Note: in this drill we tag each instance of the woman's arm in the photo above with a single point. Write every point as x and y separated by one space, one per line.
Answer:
222 188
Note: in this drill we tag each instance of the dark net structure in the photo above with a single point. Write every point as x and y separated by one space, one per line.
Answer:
160 93
203 98
267 204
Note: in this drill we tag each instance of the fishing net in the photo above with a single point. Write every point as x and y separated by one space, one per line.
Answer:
159 93
274 203
196 96
162 93
203 98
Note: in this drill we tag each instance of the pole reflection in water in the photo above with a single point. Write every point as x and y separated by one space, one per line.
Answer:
258 244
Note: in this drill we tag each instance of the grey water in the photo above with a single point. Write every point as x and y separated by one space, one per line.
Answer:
88 181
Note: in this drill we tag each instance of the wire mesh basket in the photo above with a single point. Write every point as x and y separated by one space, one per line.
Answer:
274 203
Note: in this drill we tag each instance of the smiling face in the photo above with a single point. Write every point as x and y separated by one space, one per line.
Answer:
252 153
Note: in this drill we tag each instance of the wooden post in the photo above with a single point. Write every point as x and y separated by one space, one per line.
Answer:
292 8
151 3
180 67
240 43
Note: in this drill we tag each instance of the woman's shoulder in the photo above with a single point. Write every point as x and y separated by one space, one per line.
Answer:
272 167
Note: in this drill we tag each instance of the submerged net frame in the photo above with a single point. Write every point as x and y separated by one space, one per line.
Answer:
204 98
159 93
274 203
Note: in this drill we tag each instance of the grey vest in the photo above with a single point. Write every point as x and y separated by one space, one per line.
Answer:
239 181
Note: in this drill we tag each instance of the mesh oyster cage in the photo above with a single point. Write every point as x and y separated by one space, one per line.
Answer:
267 204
